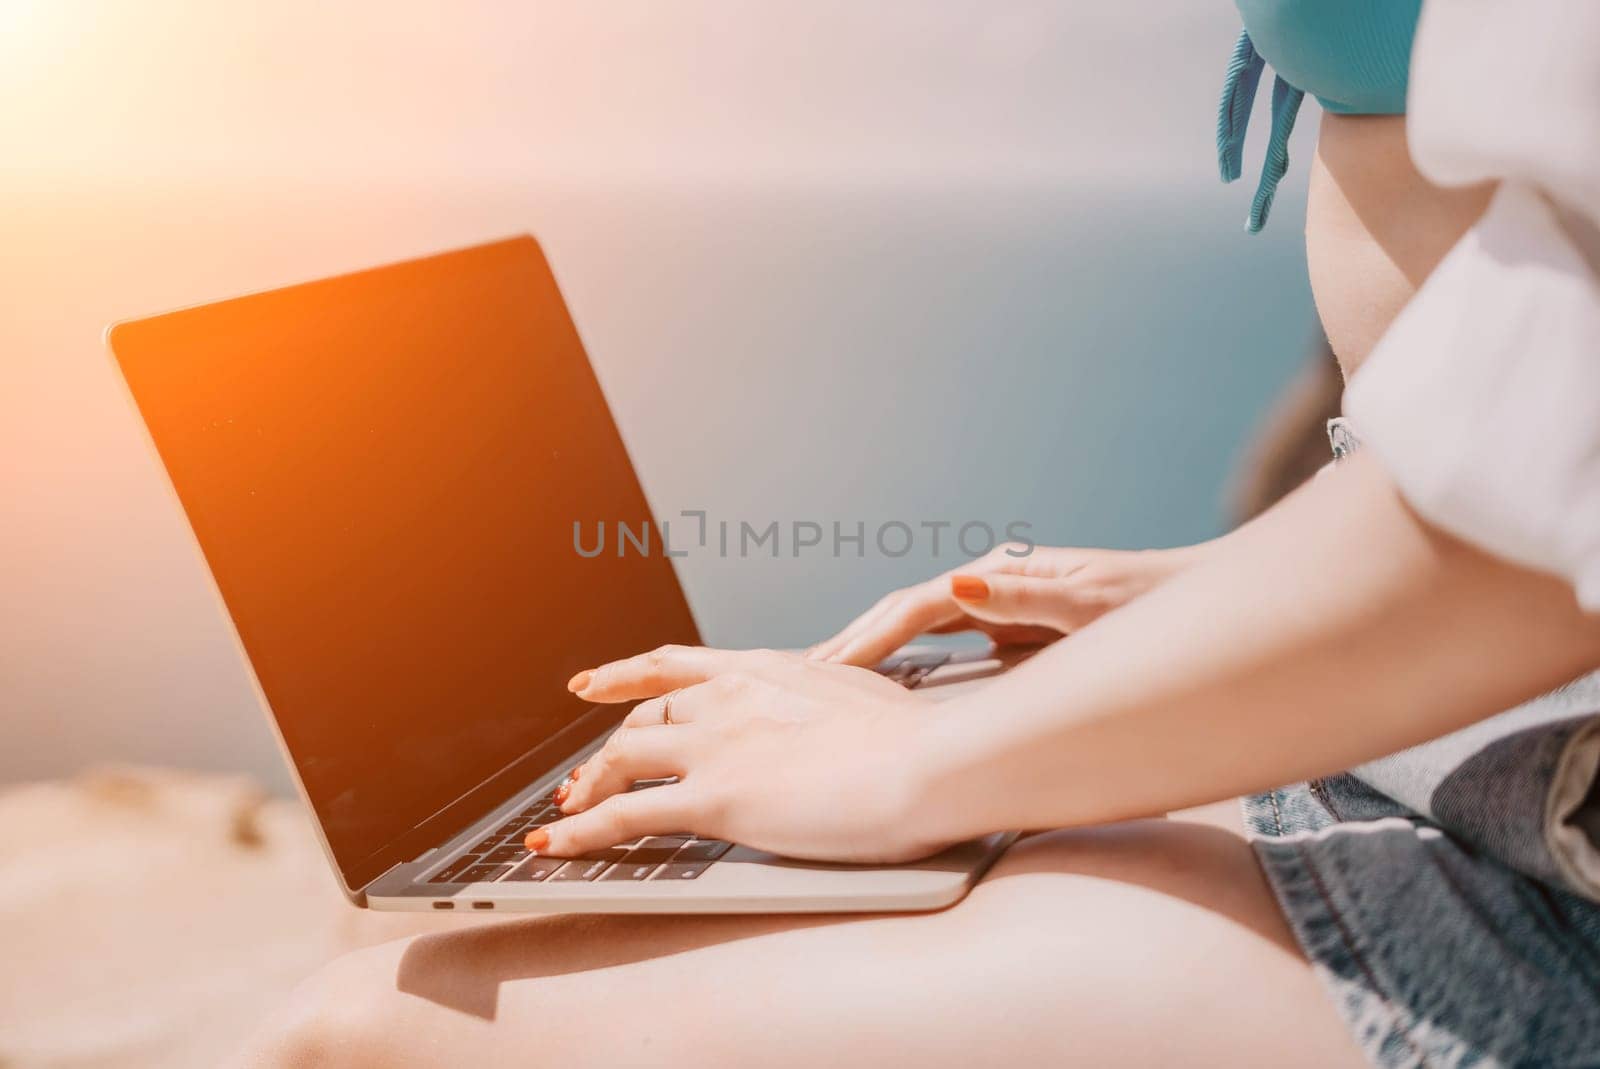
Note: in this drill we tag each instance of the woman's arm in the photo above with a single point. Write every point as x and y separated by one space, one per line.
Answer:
1483 399
1337 628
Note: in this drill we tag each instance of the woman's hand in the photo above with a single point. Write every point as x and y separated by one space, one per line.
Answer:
771 750
1016 599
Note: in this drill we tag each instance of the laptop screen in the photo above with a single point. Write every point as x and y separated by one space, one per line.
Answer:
383 471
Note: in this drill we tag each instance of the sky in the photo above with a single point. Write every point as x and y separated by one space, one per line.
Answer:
629 90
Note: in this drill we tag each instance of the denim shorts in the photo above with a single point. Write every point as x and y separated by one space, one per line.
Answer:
1435 952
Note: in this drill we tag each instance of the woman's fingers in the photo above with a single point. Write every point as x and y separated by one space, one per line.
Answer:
649 674
824 651
891 622
620 819
905 614
920 609
1020 634
1001 634
629 754
653 711
1025 600
685 704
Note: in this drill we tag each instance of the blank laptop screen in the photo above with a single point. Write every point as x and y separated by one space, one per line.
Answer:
383 471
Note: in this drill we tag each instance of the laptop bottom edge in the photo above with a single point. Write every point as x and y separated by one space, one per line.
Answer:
746 881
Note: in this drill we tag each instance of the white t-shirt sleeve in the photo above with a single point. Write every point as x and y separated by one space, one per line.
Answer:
1483 399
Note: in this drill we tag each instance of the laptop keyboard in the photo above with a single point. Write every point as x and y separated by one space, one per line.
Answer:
909 669
503 857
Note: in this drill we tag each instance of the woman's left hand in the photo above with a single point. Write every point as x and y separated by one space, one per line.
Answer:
771 750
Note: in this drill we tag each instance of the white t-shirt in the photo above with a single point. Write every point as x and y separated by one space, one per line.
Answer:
1483 399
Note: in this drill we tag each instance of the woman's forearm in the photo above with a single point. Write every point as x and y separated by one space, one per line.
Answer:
1335 629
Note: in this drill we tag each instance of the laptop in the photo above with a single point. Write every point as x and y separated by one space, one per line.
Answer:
383 471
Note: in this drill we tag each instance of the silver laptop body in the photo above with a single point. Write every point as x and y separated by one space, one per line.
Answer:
383 472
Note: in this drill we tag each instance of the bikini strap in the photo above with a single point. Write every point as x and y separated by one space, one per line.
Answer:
1233 118
1238 93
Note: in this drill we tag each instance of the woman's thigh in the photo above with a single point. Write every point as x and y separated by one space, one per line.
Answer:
1152 942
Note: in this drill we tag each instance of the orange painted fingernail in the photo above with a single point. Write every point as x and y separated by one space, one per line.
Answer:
560 795
538 839
969 588
573 775
580 681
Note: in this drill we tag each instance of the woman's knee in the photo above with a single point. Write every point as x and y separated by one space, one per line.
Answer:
340 1016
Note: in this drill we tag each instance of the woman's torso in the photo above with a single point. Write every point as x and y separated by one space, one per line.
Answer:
1375 228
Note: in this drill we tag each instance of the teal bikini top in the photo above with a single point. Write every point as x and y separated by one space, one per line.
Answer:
1352 55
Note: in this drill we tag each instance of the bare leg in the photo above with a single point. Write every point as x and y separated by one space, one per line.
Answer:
1148 943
